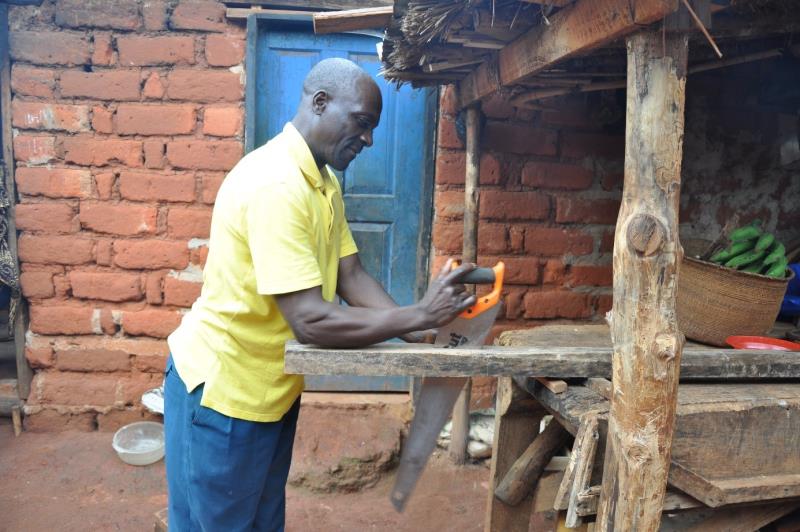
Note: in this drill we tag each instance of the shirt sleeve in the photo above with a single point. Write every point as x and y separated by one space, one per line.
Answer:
347 246
280 238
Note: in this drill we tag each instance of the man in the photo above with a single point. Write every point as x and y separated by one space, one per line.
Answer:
280 251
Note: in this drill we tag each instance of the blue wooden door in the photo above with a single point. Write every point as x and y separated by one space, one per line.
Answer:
386 188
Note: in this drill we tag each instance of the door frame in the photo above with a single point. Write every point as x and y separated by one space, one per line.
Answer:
262 22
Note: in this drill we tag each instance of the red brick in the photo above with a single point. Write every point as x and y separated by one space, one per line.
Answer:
154 88
516 238
134 385
154 13
151 254
55 420
224 50
105 85
118 219
111 14
139 186
448 100
78 389
135 50
450 167
556 175
607 242
103 53
61 286
100 152
512 300
154 153
209 185
108 286
188 222
519 270
102 119
150 363
37 284
153 287
162 119
572 115
105 184
46 217
55 249
525 140
489 170
181 293
223 121
449 204
590 275
447 136
604 303
32 81
34 149
54 182
557 241
198 15
107 322
39 358
448 237
513 205
586 211
554 272
204 154
557 304
103 251
116 418
498 107
91 360
38 115
198 256
151 322
579 145
49 48
205 86
61 320
613 181
492 239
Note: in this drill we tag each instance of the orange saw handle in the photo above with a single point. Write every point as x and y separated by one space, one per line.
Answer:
484 276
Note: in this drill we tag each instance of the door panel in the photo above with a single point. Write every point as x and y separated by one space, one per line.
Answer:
384 187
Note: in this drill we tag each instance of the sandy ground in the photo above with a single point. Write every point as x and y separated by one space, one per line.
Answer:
73 481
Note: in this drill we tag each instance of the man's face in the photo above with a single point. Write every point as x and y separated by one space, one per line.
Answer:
347 123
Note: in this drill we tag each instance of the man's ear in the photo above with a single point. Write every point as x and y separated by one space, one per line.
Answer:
319 101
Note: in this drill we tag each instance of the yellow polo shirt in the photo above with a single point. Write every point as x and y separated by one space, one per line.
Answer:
278 226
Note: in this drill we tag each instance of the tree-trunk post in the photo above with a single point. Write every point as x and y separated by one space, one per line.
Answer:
647 255
459 434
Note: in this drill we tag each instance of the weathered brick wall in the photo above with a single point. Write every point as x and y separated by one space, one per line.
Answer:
126 116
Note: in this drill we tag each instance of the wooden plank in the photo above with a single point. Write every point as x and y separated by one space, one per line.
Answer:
522 476
570 407
421 360
318 5
352 19
554 385
514 431
580 27
745 519
673 501
244 12
647 341
584 449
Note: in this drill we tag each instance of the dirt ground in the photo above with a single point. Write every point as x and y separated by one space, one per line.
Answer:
73 481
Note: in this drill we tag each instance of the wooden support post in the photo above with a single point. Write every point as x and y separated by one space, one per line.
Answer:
647 254
459 435
516 424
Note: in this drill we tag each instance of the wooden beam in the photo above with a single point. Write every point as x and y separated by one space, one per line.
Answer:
580 27
318 5
244 12
352 19
421 360
647 253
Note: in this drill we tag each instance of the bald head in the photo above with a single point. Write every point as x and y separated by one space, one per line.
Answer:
333 75
340 106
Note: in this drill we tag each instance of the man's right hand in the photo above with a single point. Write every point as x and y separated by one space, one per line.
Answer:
446 298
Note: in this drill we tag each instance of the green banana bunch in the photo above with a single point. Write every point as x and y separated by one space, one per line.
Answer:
754 251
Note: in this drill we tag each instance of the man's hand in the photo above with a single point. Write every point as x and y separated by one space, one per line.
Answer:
446 298
420 337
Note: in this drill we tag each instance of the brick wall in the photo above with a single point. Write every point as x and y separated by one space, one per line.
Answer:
126 116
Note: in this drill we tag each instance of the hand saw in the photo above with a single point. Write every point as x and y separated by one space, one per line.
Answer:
438 394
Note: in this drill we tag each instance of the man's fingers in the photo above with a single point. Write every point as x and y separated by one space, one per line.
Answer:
458 272
468 302
445 270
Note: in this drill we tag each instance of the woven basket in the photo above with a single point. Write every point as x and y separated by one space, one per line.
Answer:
716 302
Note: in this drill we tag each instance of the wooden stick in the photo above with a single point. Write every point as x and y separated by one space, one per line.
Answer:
16 418
585 450
460 432
554 385
521 478
352 19
647 341
702 28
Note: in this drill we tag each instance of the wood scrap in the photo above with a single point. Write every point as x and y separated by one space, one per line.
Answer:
352 19
585 450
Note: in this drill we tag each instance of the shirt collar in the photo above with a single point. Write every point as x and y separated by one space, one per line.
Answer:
301 153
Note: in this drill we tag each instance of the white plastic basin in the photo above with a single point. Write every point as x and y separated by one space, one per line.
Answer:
140 443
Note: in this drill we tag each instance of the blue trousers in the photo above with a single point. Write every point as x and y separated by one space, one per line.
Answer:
223 474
